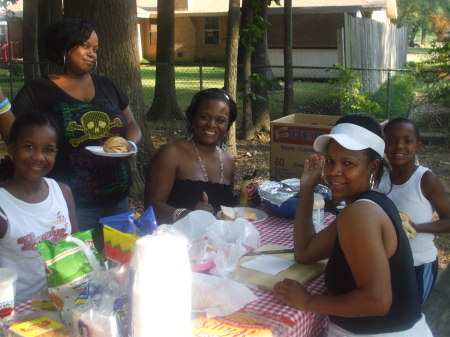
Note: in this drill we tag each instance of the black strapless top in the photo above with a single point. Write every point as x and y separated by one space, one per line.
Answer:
186 193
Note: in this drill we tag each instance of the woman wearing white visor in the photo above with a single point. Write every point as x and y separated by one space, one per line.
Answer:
369 274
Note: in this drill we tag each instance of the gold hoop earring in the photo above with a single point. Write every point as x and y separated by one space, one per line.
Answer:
372 181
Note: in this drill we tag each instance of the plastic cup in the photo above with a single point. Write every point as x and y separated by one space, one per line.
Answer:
8 279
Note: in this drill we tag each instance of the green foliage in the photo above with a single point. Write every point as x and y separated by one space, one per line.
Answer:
346 88
416 15
435 72
15 68
402 91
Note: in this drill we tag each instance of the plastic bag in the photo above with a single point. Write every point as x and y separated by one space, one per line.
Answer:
218 241
70 264
121 232
217 296
104 305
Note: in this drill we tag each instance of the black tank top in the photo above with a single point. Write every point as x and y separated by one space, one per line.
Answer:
405 310
186 193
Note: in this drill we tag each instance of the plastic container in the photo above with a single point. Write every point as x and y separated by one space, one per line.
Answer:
8 279
318 214
286 210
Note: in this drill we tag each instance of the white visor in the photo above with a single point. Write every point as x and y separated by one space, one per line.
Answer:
352 137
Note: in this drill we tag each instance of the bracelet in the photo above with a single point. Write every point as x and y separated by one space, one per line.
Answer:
176 213
135 147
5 106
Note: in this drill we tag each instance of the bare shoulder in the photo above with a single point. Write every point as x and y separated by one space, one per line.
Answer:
429 179
228 157
361 214
170 154
175 147
64 188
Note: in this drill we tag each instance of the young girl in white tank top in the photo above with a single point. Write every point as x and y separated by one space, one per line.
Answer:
418 192
32 208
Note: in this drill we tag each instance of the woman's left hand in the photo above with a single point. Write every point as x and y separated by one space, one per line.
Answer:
312 172
292 293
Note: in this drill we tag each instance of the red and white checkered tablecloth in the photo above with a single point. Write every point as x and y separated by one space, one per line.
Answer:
283 320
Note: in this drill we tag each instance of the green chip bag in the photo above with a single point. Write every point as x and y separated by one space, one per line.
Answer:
69 264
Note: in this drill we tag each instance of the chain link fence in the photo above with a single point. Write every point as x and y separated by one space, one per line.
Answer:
394 90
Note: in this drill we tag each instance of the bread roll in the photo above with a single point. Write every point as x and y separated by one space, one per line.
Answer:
407 226
228 213
116 145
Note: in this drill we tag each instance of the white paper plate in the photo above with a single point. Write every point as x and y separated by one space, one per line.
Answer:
98 150
260 214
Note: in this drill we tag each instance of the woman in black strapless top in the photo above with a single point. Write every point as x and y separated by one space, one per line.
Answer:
195 173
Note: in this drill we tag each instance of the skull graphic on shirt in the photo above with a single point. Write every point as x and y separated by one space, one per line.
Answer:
95 125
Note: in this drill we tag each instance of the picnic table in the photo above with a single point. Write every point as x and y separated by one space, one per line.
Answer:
282 319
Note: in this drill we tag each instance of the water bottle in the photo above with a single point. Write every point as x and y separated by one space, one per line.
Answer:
318 216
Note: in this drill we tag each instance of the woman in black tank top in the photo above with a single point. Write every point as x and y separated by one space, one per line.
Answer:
369 275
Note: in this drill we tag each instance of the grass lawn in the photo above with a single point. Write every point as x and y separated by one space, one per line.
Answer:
416 54
309 97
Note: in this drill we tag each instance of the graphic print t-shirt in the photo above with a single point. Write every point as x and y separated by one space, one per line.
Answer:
95 180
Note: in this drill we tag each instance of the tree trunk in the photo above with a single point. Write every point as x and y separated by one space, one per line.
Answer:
30 40
247 19
164 105
50 11
231 62
288 105
260 105
423 35
412 35
118 58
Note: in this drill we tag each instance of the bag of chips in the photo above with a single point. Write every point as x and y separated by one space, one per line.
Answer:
69 266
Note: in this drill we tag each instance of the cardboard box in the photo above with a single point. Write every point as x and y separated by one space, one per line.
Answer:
291 142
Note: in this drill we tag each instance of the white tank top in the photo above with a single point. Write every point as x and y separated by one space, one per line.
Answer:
409 198
29 224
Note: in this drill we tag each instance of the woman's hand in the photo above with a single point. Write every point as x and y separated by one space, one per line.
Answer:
292 293
204 205
312 172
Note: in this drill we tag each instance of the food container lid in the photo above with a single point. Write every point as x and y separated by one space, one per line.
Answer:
276 193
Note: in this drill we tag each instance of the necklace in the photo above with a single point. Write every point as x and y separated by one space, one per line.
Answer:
205 174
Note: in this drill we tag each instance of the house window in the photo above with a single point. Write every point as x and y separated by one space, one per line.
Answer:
211 30
153 34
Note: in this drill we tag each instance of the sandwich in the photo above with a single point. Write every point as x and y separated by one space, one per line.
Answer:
407 226
116 145
247 214
230 213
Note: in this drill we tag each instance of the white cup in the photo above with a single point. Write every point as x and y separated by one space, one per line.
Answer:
8 279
